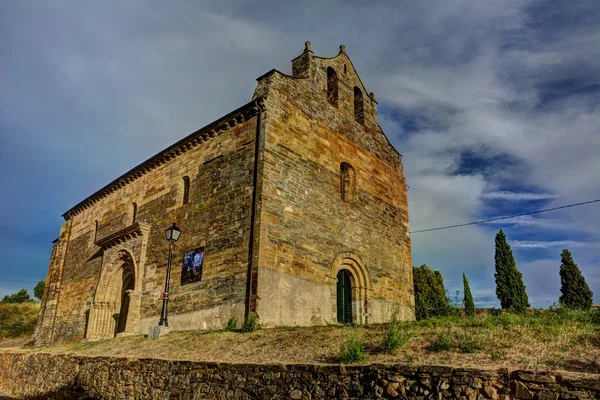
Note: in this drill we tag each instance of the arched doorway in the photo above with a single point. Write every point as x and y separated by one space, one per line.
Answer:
344 297
114 307
352 289
127 287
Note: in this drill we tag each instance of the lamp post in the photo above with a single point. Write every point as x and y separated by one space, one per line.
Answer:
172 234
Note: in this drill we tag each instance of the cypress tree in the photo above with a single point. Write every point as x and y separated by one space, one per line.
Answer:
468 302
510 288
575 291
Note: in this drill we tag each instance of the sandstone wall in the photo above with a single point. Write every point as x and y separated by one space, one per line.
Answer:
305 223
69 377
217 215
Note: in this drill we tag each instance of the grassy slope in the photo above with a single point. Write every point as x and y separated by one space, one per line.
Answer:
542 340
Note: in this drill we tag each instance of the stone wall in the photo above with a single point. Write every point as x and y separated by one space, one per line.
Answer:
305 222
44 376
219 163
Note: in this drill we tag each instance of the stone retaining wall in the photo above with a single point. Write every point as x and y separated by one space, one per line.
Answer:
45 376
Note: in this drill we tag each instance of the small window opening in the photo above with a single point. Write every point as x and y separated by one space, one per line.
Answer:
345 69
133 212
348 181
332 86
95 236
359 111
186 190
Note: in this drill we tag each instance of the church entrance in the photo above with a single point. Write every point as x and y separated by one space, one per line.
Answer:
128 286
344 297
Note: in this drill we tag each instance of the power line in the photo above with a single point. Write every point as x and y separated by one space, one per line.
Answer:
507 217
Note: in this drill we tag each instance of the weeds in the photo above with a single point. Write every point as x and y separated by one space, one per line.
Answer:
441 343
231 325
393 337
251 323
352 351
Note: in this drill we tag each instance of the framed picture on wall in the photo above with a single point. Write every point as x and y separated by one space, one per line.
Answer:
191 270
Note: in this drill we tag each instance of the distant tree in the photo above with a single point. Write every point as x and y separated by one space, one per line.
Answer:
510 288
38 290
19 297
468 302
430 294
575 291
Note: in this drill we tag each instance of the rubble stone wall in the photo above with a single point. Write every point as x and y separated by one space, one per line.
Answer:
44 376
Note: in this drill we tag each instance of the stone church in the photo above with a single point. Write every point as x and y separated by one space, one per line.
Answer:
293 206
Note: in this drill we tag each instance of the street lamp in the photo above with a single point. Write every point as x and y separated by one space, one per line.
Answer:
172 234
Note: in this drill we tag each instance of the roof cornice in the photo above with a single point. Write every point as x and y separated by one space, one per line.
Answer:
202 135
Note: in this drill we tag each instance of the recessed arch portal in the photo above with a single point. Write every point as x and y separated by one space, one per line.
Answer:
348 269
115 308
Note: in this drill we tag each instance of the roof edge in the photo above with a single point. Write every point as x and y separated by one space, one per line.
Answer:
192 140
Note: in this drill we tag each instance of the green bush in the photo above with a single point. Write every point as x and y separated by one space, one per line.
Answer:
431 298
441 343
251 323
352 351
231 325
393 337
18 319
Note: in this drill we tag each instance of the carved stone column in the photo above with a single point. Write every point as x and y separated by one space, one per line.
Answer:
133 314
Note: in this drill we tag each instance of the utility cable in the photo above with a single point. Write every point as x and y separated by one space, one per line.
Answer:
507 217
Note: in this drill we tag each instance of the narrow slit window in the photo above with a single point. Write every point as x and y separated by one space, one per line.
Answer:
186 190
332 86
359 111
133 212
348 181
95 236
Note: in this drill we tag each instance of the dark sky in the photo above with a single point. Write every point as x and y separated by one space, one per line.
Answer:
495 107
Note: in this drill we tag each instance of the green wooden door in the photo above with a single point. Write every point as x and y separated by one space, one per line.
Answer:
344 297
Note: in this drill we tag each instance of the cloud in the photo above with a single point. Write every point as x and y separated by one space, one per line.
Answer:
504 195
494 105
532 244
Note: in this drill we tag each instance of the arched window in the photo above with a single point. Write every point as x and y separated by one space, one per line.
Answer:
348 181
133 212
332 86
186 190
359 111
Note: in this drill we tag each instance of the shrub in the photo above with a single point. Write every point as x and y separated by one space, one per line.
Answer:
231 325
393 337
352 351
251 323
431 298
18 319
441 343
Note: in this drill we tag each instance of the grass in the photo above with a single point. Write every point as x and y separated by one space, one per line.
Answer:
555 339
352 351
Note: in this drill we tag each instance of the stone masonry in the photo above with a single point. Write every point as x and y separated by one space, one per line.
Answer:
70 377
283 194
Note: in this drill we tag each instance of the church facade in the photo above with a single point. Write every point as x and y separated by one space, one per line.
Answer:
294 207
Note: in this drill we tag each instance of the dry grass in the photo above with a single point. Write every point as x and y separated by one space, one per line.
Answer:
542 340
